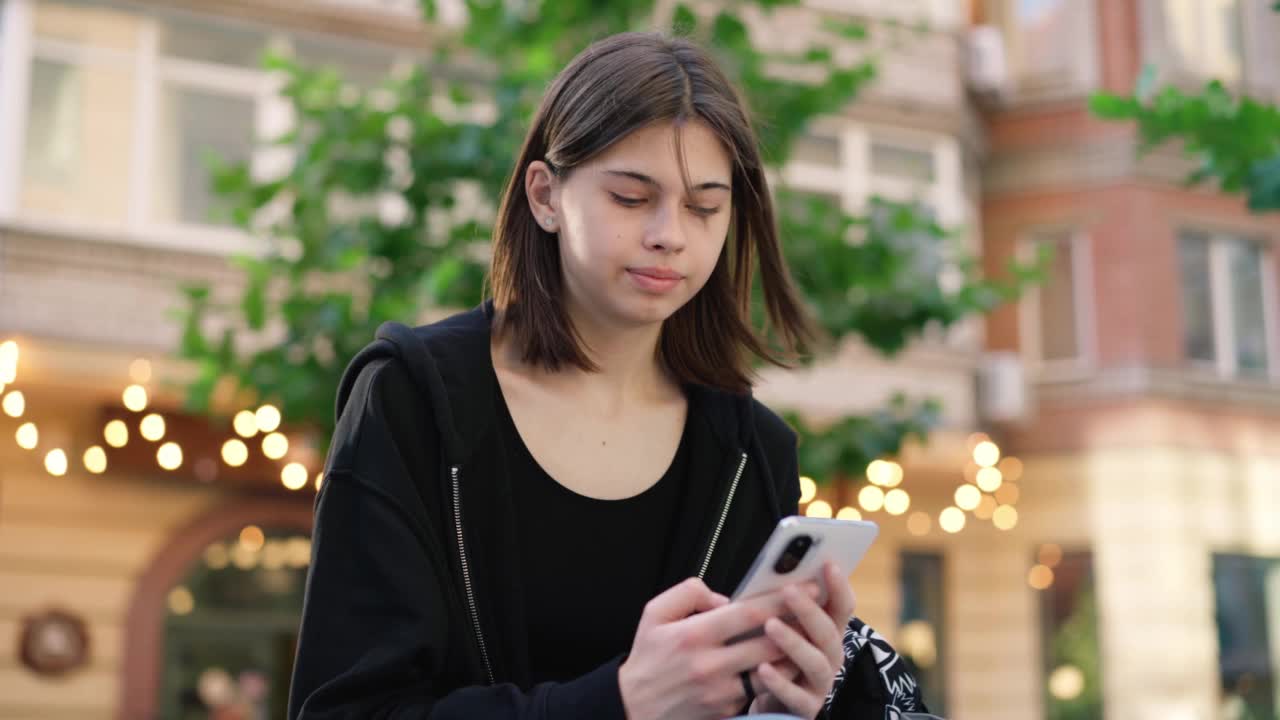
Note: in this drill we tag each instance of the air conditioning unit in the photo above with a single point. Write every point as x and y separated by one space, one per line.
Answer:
987 65
1003 394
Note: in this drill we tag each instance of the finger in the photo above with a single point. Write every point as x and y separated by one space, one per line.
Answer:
746 655
817 625
813 660
681 601
840 598
798 700
785 667
739 617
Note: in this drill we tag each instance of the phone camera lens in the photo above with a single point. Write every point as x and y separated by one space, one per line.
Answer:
792 554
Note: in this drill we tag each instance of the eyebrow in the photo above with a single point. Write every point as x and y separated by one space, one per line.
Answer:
711 185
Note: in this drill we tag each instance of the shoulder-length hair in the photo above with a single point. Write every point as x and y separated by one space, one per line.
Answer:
616 86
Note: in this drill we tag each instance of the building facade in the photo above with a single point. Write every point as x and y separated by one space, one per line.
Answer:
1121 563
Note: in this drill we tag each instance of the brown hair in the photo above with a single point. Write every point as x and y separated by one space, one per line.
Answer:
616 86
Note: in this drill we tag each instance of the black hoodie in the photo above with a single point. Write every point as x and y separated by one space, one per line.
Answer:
413 605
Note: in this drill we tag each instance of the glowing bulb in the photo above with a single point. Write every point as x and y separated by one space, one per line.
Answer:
1050 555
1040 577
252 538
818 509
892 474
151 427
294 476
1007 494
876 472
135 398
871 498
181 601
1011 468
216 556
896 501
808 489
275 446
267 418
1005 517
27 436
234 452
967 497
245 424
14 404
95 460
8 362
116 433
951 520
848 513
986 453
919 523
986 508
140 370
989 479
56 462
1066 682
169 455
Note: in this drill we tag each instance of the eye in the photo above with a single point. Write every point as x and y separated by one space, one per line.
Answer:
703 211
627 201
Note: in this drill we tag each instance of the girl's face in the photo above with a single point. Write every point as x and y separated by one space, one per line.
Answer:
633 246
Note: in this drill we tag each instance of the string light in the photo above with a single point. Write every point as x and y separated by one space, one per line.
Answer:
245 424
181 601
234 452
14 404
1066 682
986 453
897 501
95 460
1050 555
252 538
989 479
1040 577
871 498
1011 468
216 556
1005 517
294 476
140 370
818 509
808 489
135 398
275 446
848 513
8 362
986 508
267 418
169 455
967 497
951 520
152 427
1008 494
56 462
116 433
27 436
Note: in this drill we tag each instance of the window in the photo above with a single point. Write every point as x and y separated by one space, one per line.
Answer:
1057 319
1069 636
198 124
922 627
1227 318
1205 36
1051 44
1246 594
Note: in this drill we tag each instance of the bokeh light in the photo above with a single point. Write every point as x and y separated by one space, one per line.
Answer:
818 509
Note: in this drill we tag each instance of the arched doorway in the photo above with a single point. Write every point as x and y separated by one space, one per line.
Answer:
217 609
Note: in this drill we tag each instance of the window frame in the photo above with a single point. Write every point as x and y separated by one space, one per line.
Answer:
1075 80
1225 365
1031 330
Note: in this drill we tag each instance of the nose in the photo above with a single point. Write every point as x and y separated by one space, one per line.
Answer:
665 232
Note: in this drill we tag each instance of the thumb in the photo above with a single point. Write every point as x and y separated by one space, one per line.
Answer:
681 601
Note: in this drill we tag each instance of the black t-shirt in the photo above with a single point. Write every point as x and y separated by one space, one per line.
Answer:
588 566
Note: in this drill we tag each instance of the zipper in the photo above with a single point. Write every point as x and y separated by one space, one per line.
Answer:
724 515
466 574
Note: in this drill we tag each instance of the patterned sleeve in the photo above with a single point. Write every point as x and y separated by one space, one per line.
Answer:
874 681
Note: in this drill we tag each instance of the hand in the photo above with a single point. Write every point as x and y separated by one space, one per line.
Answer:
680 666
815 650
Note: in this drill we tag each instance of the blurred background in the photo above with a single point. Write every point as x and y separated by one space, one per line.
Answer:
1040 233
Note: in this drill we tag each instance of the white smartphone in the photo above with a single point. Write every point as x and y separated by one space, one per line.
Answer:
799 547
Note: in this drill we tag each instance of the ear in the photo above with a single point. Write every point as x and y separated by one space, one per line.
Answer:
542 188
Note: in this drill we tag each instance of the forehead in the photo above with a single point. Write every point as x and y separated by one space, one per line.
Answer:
652 151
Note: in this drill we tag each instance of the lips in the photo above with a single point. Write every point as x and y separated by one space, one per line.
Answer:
657 273
654 280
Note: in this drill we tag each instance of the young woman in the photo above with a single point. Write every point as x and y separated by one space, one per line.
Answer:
535 509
